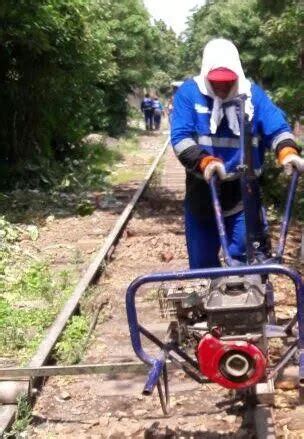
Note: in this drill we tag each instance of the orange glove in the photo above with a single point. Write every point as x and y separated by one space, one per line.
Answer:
210 165
290 159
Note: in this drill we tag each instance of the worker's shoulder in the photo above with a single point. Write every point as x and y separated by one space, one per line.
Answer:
189 89
187 85
257 92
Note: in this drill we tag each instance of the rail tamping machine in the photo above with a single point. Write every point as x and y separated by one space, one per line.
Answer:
220 329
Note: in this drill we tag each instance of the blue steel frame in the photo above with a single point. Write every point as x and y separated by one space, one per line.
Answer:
157 363
271 266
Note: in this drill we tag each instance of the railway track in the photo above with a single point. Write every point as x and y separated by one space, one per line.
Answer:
111 405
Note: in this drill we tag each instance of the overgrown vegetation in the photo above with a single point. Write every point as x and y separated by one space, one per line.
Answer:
275 195
31 292
77 335
23 419
70 187
66 69
30 296
28 306
70 347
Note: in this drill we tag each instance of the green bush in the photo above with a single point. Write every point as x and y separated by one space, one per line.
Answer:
69 348
275 189
66 68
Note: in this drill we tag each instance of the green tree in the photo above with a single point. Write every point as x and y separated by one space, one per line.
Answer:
66 67
282 63
131 35
51 54
165 54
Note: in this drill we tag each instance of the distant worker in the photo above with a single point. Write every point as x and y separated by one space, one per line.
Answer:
205 135
146 107
157 112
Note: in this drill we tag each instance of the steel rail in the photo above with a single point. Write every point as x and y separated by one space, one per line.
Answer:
263 422
8 411
78 369
17 373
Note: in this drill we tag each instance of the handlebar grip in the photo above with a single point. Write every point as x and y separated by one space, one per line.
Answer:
154 375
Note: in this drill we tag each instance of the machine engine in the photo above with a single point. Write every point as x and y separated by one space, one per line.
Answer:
223 321
236 305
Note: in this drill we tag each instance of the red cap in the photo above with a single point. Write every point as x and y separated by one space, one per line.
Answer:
222 75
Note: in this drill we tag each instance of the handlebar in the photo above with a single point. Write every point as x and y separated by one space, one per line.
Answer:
220 221
278 254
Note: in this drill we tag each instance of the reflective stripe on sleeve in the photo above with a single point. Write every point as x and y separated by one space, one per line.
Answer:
183 145
223 142
283 136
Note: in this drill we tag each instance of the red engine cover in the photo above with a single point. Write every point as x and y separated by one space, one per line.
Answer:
214 355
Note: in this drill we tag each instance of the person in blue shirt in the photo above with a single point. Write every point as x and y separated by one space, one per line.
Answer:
146 107
157 112
205 138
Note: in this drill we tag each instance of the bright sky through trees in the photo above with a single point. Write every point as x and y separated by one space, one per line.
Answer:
173 12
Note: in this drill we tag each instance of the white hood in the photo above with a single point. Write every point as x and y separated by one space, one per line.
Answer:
223 53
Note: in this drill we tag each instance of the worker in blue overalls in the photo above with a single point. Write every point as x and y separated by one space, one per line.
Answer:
205 138
157 112
146 107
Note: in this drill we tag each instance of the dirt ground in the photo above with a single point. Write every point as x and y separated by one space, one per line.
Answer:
67 240
112 407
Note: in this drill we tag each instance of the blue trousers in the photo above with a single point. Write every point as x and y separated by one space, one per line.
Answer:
203 242
157 120
148 119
